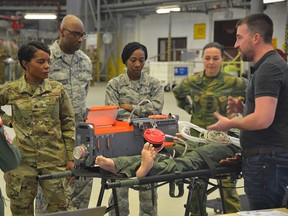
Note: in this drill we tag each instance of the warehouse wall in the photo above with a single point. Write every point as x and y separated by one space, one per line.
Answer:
148 29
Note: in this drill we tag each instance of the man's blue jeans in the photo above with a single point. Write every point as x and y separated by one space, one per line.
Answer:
265 180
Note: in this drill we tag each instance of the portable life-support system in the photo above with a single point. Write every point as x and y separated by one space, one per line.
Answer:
102 135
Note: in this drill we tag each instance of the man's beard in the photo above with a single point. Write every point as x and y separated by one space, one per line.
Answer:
248 56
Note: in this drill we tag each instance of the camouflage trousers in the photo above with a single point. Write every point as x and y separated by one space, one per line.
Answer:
22 187
146 206
40 203
231 198
81 192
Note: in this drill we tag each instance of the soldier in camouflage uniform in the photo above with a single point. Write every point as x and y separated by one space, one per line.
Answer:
10 157
3 55
73 68
43 121
146 164
137 92
209 91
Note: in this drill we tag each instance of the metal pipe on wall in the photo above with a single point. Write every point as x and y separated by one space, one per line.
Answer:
257 7
169 38
98 66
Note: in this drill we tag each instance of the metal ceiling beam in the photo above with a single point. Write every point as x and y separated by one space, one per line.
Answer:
131 8
150 5
136 4
31 8
157 2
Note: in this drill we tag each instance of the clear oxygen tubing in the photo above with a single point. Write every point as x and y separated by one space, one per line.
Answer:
184 129
206 136
145 100
181 140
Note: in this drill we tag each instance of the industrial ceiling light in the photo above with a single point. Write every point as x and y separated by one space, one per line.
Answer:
168 9
271 1
40 16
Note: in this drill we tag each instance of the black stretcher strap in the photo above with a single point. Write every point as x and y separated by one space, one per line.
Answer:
208 162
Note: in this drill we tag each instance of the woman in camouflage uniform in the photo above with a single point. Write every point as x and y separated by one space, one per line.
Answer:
135 92
43 121
209 91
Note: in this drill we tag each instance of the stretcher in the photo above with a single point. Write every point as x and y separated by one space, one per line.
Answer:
127 138
190 178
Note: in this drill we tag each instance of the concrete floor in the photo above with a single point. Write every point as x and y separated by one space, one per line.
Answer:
166 204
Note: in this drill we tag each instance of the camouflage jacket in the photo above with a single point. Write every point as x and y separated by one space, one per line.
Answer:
43 121
75 74
121 90
207 96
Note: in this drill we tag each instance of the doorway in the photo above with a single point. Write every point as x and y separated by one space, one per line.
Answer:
225 34
177 46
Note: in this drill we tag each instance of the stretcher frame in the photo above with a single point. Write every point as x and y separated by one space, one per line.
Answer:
110 181
190 178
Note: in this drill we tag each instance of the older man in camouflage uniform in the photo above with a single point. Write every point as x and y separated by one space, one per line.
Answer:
137 95
73 68
209 91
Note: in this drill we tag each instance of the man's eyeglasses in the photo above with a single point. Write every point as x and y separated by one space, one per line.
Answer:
77 34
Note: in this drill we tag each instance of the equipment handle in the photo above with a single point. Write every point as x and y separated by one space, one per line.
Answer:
124 183
56 175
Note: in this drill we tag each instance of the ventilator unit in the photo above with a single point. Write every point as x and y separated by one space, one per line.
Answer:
116 138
